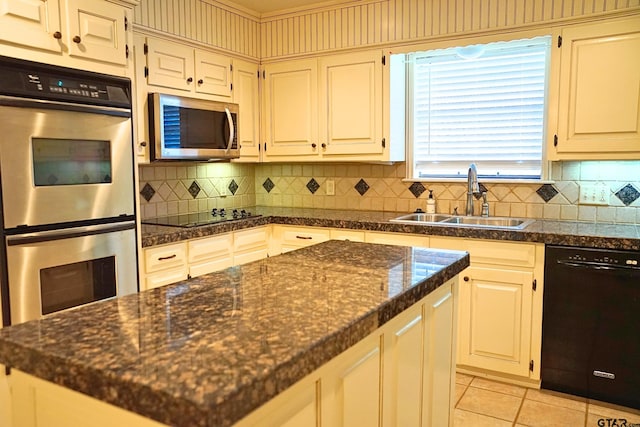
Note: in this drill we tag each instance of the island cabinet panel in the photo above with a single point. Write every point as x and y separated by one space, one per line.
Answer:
210 254
38 403
396 239
250 245
351 386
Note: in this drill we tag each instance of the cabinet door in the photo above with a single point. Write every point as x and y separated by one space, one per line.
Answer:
246 95
351 386
212 73
599 98
96 31
170 64
291 108
351 103
495 319
210 254
31 23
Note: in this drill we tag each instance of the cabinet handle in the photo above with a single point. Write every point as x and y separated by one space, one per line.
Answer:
77 39
200 81
190 79
313 145
465 278
163 258
57 35
304 237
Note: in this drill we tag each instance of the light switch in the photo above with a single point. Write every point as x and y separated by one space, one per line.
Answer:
331 187
594 194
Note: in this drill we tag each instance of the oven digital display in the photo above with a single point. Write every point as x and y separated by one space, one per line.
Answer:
71 162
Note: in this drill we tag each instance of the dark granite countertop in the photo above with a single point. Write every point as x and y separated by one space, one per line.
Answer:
571 233
207 351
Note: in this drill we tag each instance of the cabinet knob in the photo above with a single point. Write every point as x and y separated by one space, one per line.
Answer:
190 80
57 35
324 145
465 278
143 143
313 145
200 81
77 39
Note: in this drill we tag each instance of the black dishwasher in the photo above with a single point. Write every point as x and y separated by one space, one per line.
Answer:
591 324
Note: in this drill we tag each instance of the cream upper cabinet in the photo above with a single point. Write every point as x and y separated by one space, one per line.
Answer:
599 91
291 109
34 23
351 104
330 108
96 30
246 94
178 66
71 29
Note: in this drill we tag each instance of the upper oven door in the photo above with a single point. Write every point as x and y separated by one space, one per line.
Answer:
59 166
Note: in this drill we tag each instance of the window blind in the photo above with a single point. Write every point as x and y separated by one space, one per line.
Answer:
483 104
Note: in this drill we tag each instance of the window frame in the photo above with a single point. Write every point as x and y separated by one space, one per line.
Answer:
465 40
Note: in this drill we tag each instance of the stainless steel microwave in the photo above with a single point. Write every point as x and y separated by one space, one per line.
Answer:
184 128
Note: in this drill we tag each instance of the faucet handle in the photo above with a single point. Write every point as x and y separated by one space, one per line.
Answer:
485 205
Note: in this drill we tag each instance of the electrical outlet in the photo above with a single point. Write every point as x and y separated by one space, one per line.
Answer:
594 194
223 192
331 187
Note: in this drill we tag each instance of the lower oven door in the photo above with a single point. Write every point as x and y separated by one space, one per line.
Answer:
54 270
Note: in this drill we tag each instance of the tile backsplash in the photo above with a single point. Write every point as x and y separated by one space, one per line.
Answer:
182 188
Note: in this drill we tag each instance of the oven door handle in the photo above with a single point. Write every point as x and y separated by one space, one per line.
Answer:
40 104
231 129
68 233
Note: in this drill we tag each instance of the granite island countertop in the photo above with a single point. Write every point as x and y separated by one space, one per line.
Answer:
571 233
208 351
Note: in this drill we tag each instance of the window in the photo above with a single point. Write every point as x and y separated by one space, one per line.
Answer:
482 104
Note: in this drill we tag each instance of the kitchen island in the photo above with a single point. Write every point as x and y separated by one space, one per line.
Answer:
211 350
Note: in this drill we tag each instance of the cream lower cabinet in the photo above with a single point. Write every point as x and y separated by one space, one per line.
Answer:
400 375
500 307
287 238
396 239
166 264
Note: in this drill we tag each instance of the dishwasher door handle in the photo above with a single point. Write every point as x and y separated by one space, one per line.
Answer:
595 266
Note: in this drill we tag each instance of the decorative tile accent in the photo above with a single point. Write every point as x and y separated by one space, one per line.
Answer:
233 186
547 192
362 187
417 189
147 192
268 185
313 185
194 189
628 194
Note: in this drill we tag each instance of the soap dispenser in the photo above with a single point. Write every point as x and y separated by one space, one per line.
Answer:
431 203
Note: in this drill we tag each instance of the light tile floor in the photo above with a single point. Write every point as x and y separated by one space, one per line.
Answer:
486 403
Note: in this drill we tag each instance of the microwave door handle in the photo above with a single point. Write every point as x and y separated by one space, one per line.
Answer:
231 130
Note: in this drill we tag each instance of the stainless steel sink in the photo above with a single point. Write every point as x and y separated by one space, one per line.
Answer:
464 221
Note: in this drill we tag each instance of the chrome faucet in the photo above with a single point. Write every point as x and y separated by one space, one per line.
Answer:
473 188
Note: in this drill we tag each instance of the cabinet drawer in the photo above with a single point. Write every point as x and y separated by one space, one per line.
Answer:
210 247
305 236
250 239
396 239
353 235
166 277
491 252
164 257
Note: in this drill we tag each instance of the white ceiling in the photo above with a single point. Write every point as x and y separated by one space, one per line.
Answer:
267 6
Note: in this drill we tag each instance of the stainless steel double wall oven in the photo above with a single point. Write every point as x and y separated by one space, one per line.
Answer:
67 179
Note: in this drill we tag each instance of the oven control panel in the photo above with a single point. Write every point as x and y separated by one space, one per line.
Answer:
28 79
